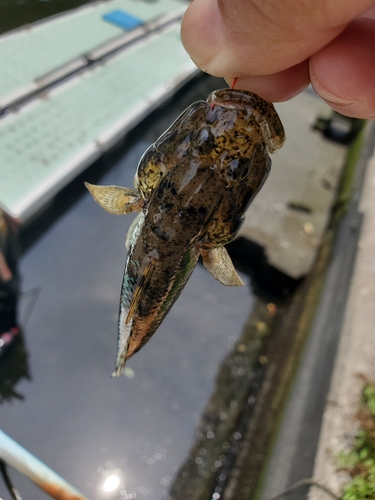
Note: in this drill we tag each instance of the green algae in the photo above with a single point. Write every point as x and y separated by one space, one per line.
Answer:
359 462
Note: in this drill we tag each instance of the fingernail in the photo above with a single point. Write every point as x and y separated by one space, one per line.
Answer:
343 105
334 100
353 109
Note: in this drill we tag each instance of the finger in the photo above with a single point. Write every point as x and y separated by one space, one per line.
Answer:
279 86
343 72
243 37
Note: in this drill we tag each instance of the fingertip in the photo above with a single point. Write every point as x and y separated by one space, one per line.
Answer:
202 32
343 72
277 87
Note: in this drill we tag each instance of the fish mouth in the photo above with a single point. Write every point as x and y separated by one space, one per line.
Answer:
232 98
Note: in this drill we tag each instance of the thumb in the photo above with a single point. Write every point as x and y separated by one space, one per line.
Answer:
259 37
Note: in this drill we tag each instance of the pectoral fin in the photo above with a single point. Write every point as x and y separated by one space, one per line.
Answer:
116 200
220 265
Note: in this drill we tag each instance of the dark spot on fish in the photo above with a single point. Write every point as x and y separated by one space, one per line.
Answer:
164 233
171 187
191 211
160 233
168 207
202 210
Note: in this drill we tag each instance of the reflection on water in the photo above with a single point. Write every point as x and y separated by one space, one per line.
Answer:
13 366
13 356
111 483
9 278
220 431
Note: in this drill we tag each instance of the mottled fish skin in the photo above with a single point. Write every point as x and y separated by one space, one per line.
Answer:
174 222
195 184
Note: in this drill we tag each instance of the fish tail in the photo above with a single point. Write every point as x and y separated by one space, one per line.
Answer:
123 342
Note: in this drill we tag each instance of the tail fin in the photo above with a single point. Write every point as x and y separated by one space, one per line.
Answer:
126 322
123 343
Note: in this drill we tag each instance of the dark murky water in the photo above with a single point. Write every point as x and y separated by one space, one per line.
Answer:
15 13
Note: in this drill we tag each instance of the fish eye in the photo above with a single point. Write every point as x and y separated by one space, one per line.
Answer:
237 169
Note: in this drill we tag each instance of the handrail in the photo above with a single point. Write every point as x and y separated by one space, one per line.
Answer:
18 457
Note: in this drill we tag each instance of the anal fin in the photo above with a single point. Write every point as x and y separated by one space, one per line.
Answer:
220 265
138 292
115 199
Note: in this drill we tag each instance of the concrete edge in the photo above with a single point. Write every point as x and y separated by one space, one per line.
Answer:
355 356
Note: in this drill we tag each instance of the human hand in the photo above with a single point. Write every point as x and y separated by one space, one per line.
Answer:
278 47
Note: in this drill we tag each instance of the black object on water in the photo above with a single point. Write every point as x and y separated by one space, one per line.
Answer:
9 277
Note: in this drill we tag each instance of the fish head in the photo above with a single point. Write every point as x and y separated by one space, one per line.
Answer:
250 115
